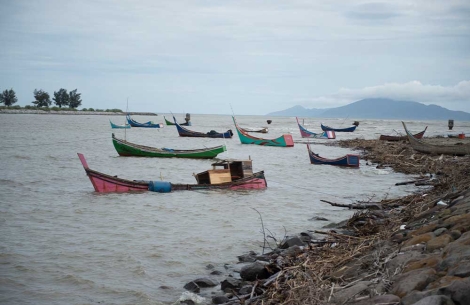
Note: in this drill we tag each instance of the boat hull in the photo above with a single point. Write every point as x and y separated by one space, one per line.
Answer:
348 160
183 132
418 135
304 133
169 123
282 141
348 129
149 124
115 126
127 149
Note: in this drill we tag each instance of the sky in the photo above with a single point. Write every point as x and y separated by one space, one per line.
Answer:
246 57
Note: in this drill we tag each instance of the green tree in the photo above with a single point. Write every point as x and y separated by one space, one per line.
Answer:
61 98
74 99
42 98
8 97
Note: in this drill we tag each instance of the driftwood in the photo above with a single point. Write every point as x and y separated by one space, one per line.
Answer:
361 206
410 182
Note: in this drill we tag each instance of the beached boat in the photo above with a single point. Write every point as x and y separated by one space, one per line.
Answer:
125 148
458 149
418 135
115 126
349 160
226 174
245 138
169 123
183 132
148 124
304 133
259 129
348 129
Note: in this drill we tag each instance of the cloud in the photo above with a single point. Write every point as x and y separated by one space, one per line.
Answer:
451 97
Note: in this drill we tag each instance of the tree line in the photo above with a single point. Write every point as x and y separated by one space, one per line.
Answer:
61 98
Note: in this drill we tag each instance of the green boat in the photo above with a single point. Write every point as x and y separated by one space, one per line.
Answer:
128 149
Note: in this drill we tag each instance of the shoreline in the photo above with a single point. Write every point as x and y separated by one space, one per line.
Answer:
78 112
409 250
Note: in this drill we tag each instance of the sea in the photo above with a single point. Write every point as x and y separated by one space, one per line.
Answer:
63 243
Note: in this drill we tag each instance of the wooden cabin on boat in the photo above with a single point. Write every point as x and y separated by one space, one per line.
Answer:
226 171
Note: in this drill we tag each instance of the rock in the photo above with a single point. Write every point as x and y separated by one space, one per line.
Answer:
205 282
443 281
439 231
230 283
438 242
294 241
210 266
216 272
413 280
425 229
292 251
423 238
187 302
220 299
193 287
319 218
245 289
341 296
455 234
247 258
254 272
461 269
386 299
415 296
458 291
398 262
428 261
435 300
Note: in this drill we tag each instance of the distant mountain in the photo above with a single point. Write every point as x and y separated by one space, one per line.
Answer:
379 108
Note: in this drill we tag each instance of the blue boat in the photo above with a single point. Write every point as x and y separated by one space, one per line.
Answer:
348 129
115 126
148 124
304 133
348 160
183 132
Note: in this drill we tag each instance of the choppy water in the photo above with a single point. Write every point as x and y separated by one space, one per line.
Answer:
61 243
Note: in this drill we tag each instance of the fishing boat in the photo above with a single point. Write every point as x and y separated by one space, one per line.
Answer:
349 160
259 129
304 133
116 126
418 135
348 129
184 132
170 123
245 138
148 124
457 149
225 174
125 148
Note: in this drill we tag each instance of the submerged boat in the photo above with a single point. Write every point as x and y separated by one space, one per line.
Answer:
245 138
347 129
183 132
304 133
458 149
349 160
418 135
226 174
125 148
259 129
115 126
170 123
148 124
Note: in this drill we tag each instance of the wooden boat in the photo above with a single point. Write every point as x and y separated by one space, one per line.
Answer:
418 135
260 129
304 133
125 148
183 132
115 126
348 160
226 174
169 123
348 129
148 124
421 146
245 138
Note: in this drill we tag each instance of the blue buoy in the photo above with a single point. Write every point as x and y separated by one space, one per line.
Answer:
160 186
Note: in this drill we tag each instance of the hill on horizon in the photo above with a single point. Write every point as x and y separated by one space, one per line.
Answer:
379 108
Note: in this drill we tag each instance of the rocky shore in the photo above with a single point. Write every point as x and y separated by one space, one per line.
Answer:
413 250
78 112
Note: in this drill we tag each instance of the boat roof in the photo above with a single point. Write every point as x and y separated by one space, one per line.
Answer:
225 161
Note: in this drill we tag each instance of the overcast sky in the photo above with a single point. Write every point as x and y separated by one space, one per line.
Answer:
256 56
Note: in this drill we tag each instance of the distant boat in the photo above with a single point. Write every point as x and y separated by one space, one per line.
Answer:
348 160
169 123
421 146
259 129
183 132
125 148
148 124
418 135
245 138
348 129
231 174
304 133
115 126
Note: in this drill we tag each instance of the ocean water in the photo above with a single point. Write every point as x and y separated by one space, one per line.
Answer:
62 243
